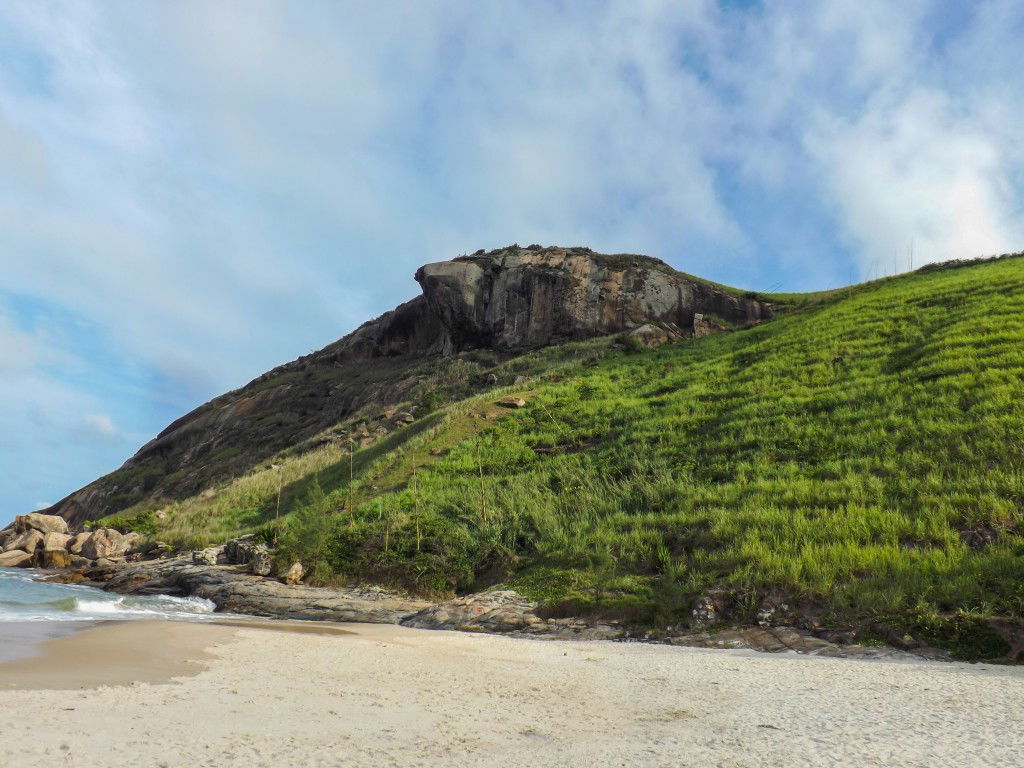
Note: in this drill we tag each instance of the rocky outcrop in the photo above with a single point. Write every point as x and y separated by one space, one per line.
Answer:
508 300
529 298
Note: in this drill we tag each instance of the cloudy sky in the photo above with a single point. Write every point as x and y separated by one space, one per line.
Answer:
193 192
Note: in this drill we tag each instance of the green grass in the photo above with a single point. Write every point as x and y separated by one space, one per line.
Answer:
862 453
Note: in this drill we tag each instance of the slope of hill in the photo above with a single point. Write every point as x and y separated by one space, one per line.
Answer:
857 461
473 312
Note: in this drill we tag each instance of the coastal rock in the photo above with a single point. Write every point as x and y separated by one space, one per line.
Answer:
132 540
261 564
29 541
78 541
15 558
294 574
241 550
42 523
236 592
54 558
210 556
505 612
55 541
105 543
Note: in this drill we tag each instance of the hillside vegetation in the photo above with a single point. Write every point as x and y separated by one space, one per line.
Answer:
861 458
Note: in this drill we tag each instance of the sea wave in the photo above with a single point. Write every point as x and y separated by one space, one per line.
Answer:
22 599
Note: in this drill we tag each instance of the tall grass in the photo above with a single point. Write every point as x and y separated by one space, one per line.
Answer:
865 454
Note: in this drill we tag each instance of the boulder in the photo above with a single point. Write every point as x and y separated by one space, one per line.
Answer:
294 574
41 523
652 336
29 541
105 543
209 556
512 402
240 551
54 541
262 564
15 558
77 561
78 541
133 540
54 559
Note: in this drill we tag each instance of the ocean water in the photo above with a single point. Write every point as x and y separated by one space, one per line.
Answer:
32 611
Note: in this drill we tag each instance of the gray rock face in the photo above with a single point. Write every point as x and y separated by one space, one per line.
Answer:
519 297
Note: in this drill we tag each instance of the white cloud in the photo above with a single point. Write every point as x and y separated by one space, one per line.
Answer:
101 425
916 171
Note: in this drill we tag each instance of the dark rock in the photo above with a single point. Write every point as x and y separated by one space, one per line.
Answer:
241 550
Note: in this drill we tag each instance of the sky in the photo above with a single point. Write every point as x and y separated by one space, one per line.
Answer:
194 191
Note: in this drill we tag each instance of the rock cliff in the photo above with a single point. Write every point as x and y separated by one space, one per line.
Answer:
506 301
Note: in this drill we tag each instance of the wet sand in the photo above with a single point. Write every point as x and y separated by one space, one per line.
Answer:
382 695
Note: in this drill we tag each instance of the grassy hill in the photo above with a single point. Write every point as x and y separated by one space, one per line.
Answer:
860 458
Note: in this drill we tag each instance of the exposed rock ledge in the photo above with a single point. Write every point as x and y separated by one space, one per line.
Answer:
498 612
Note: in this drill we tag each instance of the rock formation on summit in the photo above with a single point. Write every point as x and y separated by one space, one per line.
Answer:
506 301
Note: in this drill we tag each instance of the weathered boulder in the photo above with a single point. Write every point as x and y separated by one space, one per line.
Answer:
294 574
42 523
78 541
262 563
105 543
512 402
54 558
132 540
28 541
209 556
56 541
15 558
652 336
240 551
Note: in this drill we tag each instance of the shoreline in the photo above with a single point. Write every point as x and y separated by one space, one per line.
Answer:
374 694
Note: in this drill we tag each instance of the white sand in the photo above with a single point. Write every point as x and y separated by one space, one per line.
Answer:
387 696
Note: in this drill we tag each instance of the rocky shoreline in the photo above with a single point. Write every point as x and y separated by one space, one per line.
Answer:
233 590
237 577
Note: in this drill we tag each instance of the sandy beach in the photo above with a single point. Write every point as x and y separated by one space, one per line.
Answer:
179 694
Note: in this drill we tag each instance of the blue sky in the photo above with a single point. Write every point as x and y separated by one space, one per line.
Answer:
194 191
